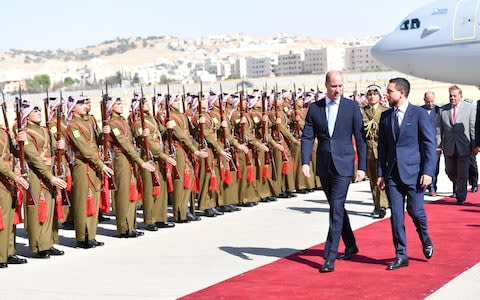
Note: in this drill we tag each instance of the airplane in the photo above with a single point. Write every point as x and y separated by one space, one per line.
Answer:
439 41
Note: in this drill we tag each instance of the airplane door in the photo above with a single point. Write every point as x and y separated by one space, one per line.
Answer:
465 20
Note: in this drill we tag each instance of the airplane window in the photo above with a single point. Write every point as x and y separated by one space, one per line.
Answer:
405 25
415 24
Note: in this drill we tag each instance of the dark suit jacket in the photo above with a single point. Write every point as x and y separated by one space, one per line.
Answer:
413 152
348 123
435 119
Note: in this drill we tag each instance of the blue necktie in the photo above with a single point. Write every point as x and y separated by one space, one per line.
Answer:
332 116
396 125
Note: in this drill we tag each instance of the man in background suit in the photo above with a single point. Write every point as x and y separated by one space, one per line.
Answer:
333 121
433 112
458 140
406 164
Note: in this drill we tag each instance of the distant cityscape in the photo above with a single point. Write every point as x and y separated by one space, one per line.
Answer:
151 60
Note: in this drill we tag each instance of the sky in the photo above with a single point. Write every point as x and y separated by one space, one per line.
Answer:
66 24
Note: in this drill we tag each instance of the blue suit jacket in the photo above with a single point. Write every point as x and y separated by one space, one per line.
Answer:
414 150
348 123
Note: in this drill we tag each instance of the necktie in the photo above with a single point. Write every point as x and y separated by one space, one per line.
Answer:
454 114
332 116
396 124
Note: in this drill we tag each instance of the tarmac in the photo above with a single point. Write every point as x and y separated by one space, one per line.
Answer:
171 263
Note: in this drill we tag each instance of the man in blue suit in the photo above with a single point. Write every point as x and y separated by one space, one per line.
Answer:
433 112
333 121
406 165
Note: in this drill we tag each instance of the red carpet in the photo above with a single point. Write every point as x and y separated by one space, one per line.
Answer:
454 231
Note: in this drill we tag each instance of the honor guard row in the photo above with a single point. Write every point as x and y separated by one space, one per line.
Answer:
209 153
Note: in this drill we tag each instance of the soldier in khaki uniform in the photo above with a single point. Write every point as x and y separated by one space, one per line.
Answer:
155 200
7 181
371 117
182 192
265 183
39 218
229 179
209 197
248 193
86 172
125 155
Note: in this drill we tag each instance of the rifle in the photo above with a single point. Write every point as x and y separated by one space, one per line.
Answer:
105 141
59 172
226 144
278 136
12 189
183 100
295 126
170 147
148 158
21 148
154 104
267 159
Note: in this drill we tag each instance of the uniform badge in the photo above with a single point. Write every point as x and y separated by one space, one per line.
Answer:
215 121
171 123
53 130
76 133
140 130
116 132
256 120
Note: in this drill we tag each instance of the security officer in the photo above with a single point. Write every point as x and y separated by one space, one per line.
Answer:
371 117
39 218
182 187
125 155
8 180
86 172
155 199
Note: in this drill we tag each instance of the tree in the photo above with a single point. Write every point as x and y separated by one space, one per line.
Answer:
43 80
68 81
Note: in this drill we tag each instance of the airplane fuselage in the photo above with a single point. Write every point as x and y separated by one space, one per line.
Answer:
439 41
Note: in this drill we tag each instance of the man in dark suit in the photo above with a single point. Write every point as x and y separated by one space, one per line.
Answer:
406 164
333 121
458 140
433 112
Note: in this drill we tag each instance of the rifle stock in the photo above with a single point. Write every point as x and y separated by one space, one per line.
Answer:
106 140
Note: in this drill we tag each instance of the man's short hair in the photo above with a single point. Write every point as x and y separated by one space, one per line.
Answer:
402 85
455 88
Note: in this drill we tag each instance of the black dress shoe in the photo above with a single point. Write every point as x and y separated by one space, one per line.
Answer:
15 260
249 204
3 265
398 263
460 202
301 191
474 189
55 252
290 194
264 200
428 251
165 225
272 199
209 213
99 244
349 252
282 195
328 266
68 226
131 234
191 217
381 213
41 254
217 212
85 244
102 219
151 227
226 208
234 207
